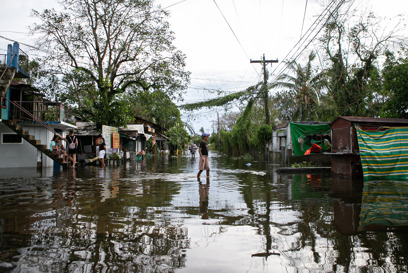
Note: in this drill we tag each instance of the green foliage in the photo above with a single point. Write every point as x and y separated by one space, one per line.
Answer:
304 164
178 136
245 157
396 84
155 106
355 88
303 87
238 140
221 101
101 51
263 135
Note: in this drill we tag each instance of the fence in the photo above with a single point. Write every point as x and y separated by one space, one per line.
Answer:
45 111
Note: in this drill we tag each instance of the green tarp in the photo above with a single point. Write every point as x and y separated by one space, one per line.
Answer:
298 133
384 154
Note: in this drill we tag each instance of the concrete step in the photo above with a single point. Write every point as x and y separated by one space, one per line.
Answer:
42 147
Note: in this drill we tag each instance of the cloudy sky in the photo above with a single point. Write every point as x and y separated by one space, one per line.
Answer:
219 37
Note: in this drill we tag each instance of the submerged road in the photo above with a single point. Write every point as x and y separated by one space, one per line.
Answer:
155 216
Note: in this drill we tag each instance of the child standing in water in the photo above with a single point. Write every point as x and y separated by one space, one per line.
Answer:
203 164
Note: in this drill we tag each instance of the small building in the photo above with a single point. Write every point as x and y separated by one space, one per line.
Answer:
289 141
133 139
156 131
27 120
87 135
345 151
281 143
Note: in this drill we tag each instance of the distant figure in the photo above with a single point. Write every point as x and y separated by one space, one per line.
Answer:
102 153
193 149
203 164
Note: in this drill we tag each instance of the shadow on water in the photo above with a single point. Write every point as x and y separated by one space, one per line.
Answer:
155 216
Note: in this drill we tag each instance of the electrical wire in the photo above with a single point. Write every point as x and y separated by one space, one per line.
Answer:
12 40
305 37
233 32
175 4
304 16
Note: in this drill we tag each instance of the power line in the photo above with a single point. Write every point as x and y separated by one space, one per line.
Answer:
236 37
304 16
308 33
12 40
175 4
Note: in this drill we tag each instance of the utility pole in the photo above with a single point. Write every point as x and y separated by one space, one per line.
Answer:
264 62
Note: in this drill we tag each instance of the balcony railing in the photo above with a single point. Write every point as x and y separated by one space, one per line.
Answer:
45 111
22 65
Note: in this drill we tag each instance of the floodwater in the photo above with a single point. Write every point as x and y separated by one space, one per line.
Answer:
154 216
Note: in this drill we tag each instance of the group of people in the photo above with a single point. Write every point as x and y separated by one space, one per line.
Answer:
59 150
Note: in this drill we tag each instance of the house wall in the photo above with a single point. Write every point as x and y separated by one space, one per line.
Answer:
45 136
24 154
281 144
344 138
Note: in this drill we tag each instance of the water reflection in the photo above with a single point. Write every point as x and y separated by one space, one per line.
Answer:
384 204
157 217
204 191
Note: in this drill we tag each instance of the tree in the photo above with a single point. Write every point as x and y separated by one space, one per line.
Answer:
178 136
304 86
101 50
155 106
353 76
395 75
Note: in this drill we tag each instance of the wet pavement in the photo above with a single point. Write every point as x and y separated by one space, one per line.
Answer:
154 216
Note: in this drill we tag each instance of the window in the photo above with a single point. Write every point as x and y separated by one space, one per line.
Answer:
11 139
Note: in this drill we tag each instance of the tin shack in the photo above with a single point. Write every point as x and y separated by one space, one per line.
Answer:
345 151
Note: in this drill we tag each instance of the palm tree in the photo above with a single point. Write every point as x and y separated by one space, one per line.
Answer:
305 87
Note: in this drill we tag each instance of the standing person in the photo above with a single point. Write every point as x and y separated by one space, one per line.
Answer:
203 164
102 153
72 147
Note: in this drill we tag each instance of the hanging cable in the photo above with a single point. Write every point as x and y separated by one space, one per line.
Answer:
304 16
304 38
236 37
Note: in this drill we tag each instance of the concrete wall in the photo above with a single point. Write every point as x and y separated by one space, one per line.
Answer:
24 154
281 144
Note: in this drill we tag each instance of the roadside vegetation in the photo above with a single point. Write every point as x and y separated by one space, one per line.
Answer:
113 60
357 67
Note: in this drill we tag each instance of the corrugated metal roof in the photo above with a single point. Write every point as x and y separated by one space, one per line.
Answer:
139 128
373 120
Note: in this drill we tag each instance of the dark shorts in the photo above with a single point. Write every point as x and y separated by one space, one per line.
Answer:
72 151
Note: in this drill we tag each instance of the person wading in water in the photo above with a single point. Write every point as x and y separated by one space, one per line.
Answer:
203 164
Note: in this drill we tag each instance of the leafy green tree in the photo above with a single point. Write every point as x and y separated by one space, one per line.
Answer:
354 81
178 136
263 135
395 75
304 89
155 106
100 50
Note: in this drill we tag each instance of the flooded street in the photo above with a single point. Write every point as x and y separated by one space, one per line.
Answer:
154 216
